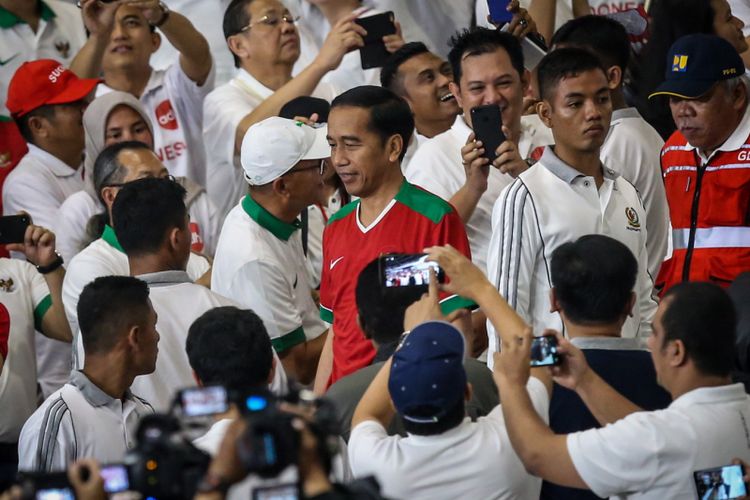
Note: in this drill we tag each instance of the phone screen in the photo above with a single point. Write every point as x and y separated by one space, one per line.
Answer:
115 477
204 401
281 492
720 483
55 494
402 270
544 351
499 11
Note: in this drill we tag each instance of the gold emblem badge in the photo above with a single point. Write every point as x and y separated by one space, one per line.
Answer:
632 216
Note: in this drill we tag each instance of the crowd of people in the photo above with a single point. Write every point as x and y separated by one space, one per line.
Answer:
209 193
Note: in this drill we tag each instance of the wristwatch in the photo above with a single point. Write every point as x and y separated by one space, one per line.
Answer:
52 266
164 15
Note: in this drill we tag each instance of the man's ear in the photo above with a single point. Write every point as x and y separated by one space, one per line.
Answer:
614 76
109 193
544 111
395 145
677 353
456 91
155 41
175 238
134 338
39 126
279 186
237 46
554 304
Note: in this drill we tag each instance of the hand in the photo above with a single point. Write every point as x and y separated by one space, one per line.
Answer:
226 463
345 36
522 23
150 9
86 479
513 361
508 159
425 309
395 41
38 246
529 105
475 165
574 367
466 279
311 120
98 17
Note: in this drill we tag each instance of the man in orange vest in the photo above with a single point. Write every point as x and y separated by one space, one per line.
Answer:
706 162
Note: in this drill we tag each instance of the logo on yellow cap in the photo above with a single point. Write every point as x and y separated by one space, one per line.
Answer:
679 63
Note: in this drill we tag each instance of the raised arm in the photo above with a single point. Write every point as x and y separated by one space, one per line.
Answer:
99 18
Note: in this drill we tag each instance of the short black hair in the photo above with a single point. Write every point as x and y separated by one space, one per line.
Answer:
389 114
593 278
703 317
389 77
452 418
236 18
603 36
476 41
46 111
230 347
563 63
107 308
381 314
144 211
107 167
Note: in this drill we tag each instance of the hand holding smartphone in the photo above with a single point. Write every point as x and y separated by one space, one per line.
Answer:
408 271
13 228
487 122
374 54
544 351
720 483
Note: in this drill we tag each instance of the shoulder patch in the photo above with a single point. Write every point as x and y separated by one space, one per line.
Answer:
343 212
423 202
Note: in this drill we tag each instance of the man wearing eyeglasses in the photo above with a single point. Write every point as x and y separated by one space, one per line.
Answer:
259 260
265 44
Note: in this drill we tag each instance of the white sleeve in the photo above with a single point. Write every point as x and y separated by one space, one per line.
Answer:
426 172
188 94
647 303
47 442
70 234
620 458
197 265
79 274
363 443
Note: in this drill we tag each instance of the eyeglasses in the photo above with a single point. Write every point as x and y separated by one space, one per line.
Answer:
121 184
272 20
321 168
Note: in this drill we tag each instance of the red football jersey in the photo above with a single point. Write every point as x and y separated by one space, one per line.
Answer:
415 219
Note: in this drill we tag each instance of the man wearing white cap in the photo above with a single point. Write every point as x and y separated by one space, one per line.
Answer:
259 258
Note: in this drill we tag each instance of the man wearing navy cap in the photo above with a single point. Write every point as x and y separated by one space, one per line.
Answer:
706 162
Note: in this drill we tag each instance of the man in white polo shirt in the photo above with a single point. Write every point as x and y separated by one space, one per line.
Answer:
566 195
488 69
265 45
173 97
640 454
115 166
95 415
259 262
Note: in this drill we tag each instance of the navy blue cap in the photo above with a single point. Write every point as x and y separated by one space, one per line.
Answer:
428 373
695 63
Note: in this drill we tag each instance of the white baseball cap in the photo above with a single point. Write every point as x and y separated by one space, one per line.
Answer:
273 146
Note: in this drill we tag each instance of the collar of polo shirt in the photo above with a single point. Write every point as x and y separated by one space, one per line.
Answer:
93 394
8 19
564 171
110 237
282 230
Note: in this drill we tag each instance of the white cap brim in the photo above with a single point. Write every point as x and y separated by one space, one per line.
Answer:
320 148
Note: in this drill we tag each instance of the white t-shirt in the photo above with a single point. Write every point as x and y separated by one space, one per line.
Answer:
175 105
548 205
260 265
61 430
652 455
473 460
633 149
438 168
223 110
59 36
25 295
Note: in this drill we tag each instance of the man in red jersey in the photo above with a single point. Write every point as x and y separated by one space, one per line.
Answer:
368 130
706 162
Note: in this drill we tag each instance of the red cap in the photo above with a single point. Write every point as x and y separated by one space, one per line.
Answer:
42 82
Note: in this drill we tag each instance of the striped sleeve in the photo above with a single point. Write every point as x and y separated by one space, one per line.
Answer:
48 442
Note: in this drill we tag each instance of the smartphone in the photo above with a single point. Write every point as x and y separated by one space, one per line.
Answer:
13 228
46 486
408 270
203 401
374 53
720 483
487 122
544 351
499 11
115 477
280 492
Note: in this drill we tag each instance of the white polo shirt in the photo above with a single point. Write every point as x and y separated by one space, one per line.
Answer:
25 295
104 257
39 184
548 205
175 105
437 166
473 460
260 265
59 36
633 150
79 421
652 455
223 110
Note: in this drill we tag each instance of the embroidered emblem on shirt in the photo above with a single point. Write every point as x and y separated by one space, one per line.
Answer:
63 47
6 284
633 220
334 262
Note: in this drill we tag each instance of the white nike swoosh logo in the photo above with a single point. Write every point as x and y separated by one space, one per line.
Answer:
334 262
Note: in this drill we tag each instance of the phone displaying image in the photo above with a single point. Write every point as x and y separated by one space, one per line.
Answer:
487 122
203 401
46 486
280 492
115 477
544 351
720 483
408 270
374 53
13 228
499 11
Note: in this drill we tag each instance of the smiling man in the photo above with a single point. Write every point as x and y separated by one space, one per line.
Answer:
706 163
567 194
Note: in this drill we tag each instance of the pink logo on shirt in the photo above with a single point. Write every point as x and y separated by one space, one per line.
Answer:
165 115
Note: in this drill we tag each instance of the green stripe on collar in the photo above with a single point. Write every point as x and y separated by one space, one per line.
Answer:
110 237
282 230
8 19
